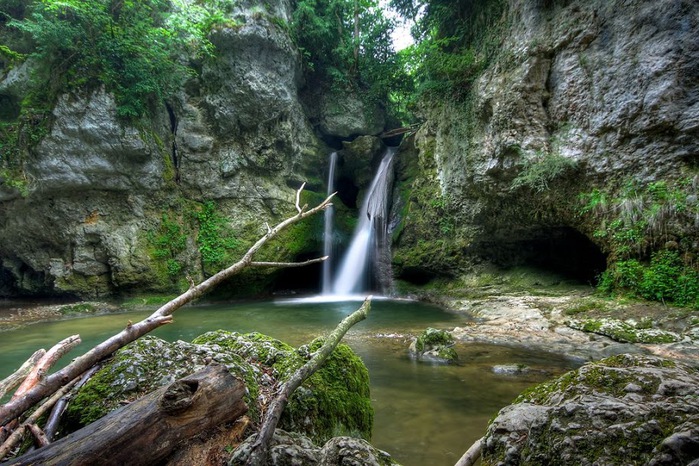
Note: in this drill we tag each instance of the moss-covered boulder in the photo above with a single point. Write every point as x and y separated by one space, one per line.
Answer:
434 346
627 409
334 401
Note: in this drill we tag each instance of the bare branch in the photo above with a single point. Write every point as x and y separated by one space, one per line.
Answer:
259 451
289 264
50 384
20 374
472 454
298 198
18 433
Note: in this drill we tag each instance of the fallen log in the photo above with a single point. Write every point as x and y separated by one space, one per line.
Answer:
260 449
37 373
152 427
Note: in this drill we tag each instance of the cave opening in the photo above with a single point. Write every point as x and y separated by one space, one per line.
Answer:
560 250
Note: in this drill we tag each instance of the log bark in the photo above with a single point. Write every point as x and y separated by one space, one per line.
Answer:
163 315
20 374
472 455
259 452
152 427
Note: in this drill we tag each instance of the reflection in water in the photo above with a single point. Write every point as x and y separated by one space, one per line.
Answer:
425 414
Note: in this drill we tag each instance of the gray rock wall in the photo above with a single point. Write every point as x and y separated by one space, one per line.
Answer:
237 134
609 87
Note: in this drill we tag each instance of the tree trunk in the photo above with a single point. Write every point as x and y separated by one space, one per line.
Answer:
152 427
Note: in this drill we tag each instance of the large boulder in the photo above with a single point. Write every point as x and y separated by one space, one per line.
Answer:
627 409
335 400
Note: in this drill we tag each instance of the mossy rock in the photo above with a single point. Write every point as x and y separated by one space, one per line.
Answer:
624 332
627 409
334 401
434 346
144 366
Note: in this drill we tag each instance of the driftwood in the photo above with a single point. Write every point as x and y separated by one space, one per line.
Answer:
163 315
152 427
37 373
259 451
20 374
45 363
55 417
472 455
16 437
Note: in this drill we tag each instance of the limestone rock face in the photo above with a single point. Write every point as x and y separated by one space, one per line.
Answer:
606 90
342 114
624 407
99 190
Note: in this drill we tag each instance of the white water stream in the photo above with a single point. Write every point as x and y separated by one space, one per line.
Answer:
355 272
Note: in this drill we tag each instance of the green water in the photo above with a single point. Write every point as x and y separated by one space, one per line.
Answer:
425 414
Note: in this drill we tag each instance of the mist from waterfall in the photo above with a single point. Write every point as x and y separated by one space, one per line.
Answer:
368 247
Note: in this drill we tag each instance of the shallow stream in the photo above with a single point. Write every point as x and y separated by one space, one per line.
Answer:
425 414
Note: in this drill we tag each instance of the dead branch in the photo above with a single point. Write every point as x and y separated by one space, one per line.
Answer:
147 430
50 384
40 438
472 454
18 433
45 363
20 374
289 264
52 423
259 451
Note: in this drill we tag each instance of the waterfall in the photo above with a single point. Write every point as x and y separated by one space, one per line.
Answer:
328 230
368 246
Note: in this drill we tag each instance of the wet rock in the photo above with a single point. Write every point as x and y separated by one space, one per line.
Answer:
625 332
334 400
623 407
434 346
289 448
511 369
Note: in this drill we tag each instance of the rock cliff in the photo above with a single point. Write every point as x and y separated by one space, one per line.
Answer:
109 207
560 146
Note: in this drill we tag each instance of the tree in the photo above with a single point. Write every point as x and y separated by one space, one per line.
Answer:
347 43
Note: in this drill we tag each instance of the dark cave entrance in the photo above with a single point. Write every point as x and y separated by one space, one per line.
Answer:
561 250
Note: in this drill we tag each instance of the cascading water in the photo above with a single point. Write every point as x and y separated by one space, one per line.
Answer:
368 242
328 230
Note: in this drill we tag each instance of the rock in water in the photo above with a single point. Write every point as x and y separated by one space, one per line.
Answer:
434 346
627 409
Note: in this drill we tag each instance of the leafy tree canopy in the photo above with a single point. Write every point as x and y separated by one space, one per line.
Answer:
129 46
455 40
348 44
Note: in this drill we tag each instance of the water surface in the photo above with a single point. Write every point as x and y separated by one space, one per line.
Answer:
425 414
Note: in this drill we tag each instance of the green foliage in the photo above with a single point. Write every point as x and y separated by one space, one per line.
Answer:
168 243
667 278
130 47
215 239
455 41
536 174
334 52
